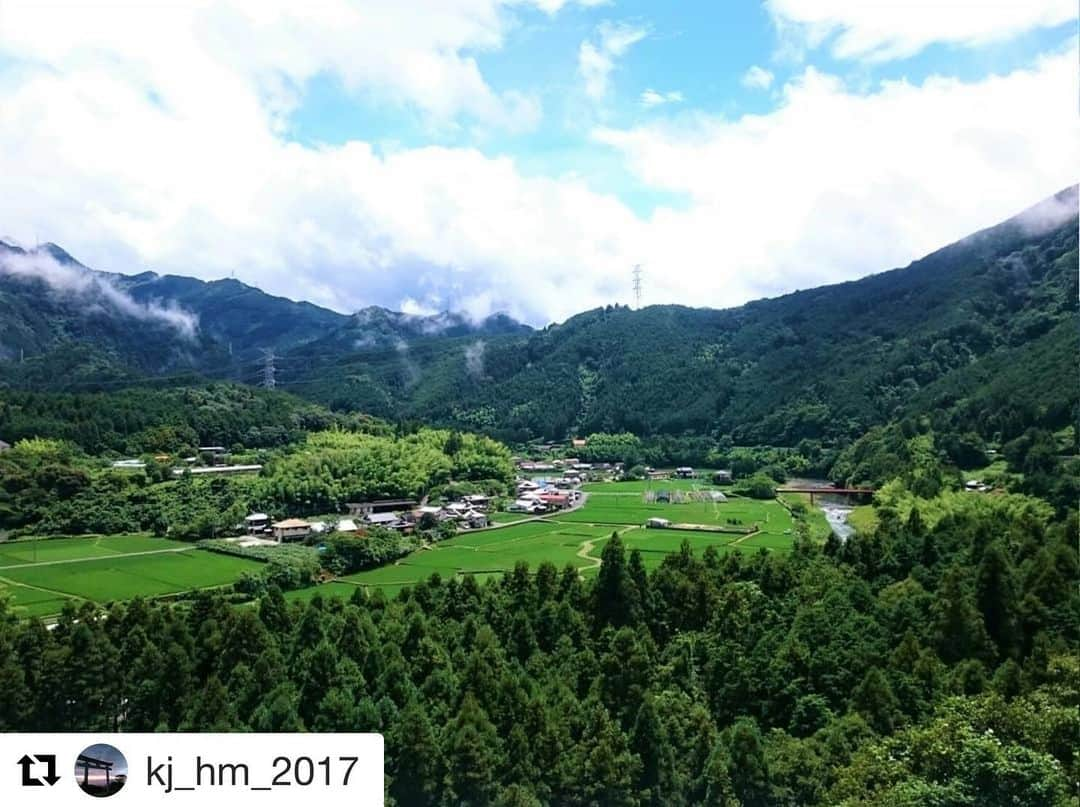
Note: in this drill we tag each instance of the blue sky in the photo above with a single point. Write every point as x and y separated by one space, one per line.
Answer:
522 155
696 49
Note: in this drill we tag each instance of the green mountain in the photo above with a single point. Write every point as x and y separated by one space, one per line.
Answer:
983 331
66 326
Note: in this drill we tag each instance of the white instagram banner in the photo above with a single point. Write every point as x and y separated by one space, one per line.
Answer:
195 769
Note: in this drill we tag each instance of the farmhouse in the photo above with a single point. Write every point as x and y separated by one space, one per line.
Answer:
526 506
554 501
389 520
380 506
476 519
658 523
290 529
477 501
256 522
722 477
346 525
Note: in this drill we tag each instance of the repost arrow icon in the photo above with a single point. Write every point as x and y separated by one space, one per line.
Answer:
50 760
27 779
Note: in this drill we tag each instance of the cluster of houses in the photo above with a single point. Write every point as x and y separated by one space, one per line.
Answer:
403 515
546 496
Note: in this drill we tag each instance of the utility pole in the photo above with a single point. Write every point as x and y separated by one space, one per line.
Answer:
637 286
269 379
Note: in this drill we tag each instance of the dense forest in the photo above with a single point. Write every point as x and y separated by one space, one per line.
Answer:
49 486
932 662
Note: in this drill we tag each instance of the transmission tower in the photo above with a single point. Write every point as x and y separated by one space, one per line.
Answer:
637 285
269 371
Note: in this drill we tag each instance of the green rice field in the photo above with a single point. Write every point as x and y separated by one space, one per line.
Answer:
40 576
577 537
42 588
50 550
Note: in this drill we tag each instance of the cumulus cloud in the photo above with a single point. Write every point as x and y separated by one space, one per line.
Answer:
878 30
597 58
757 78
651 98
93 290
150 146
835 184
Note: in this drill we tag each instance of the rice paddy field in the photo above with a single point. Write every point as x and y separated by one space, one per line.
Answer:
40 576
577 537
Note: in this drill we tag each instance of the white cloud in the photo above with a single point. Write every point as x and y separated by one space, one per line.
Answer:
596 60
757 78
94 290
199 54
885 29
651 98
835 184
135 149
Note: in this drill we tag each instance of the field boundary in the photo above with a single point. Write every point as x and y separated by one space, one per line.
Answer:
113 556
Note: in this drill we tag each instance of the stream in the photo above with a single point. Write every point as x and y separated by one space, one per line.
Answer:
835 508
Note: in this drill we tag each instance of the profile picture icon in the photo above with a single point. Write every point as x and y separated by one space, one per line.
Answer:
101 770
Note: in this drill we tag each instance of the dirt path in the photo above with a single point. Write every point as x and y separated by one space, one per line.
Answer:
583 553
63 594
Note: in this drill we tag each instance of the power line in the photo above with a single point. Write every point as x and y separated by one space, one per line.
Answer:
637 285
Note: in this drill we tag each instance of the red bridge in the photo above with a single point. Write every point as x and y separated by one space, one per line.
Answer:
827 491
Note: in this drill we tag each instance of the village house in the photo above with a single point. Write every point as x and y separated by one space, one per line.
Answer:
256 523
346 525
476 520
685 472
554 501
380 506
722 477
477 501
290 529
392 521
527 506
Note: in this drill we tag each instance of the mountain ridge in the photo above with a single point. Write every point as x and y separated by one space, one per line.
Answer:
819 364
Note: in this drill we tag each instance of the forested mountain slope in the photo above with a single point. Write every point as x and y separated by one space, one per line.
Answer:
983 331
66 326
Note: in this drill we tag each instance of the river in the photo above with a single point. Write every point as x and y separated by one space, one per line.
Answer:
835 508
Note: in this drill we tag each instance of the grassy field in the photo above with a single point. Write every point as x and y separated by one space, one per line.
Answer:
50 550
577 537
42 575
42 588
